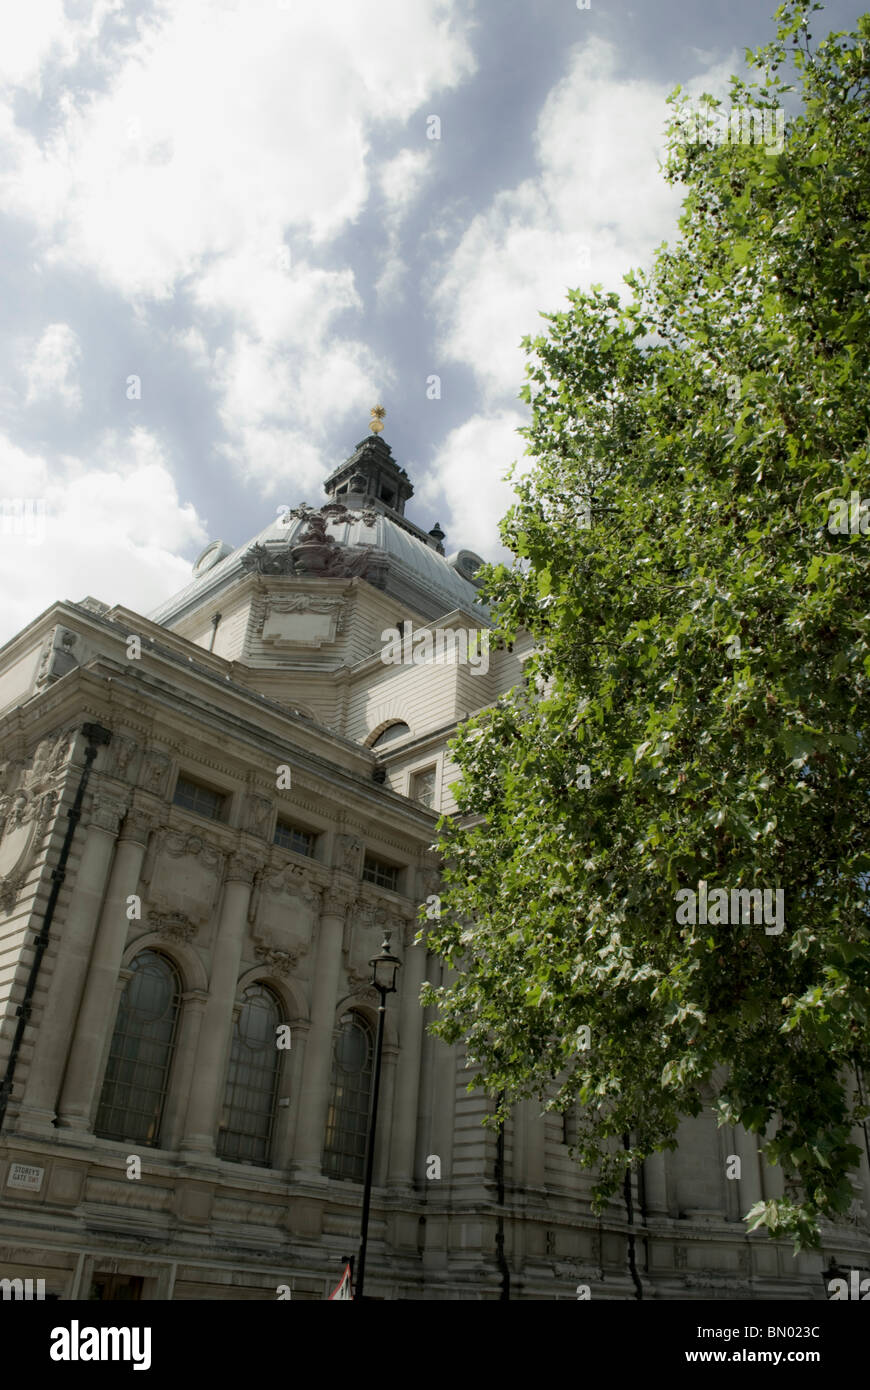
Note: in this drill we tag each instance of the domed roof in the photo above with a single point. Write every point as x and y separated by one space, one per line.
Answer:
358 533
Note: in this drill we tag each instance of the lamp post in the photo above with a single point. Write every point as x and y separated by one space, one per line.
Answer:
384 969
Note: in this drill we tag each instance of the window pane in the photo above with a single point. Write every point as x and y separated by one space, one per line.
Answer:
140 1056
392 732
292 837
384 875
202 800
423 786
252 1080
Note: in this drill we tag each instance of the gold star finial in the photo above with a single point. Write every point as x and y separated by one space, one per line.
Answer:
376 424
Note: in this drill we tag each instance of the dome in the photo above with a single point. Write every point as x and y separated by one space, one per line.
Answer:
358 533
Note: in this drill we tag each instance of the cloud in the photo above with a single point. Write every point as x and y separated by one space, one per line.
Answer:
52 371
402 178
401 182
227 145
469 469
113 527
596 207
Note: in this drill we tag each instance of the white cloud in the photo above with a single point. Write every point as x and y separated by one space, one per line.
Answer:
230 143
596 207
113 528
402 179
52 371
469 470
42 31
225 127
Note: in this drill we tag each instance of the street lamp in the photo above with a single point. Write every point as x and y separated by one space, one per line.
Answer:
384 969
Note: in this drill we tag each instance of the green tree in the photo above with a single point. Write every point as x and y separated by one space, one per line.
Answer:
701 644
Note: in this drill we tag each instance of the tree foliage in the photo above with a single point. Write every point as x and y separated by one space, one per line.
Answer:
701 646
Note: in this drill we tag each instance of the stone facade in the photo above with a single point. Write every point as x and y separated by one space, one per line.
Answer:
262 686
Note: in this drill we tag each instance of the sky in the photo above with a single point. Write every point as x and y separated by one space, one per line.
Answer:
228 228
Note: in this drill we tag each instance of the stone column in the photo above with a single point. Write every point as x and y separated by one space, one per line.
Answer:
749 1188
215 1034
96 1016
443 1127
404 1118
386 1104
530 1147
317 1070
183 1079
655 1180
291 1088
74 932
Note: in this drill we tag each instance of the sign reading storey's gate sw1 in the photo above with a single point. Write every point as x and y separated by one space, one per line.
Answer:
26 1176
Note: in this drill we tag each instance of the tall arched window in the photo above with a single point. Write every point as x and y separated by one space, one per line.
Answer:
347 1121
252 1080
140 1057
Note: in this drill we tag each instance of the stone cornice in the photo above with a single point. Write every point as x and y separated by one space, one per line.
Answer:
84 694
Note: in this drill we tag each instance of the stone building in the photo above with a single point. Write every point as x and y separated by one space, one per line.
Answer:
209 818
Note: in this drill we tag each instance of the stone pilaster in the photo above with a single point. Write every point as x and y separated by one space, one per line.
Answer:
75 938
215 1035
655 1181
530 1146
407 1086
79 1093
443 1124
749 1188
317 1070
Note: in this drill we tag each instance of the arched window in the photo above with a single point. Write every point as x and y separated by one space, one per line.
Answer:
140 1057
392 731
348 1117
252 1080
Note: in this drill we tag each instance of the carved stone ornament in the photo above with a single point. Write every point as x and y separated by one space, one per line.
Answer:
138 824
428 883
360 982
258 815
123 751
349 851
293 880
62 750
178 844
155 771
371 915
303 620
57 658
336 902
314 552
107 813
241 867
23 820
172 926
282 962
174 857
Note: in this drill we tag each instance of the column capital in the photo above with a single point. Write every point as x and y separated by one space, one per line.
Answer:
336 900
138 824
107 812
403 926
241 867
